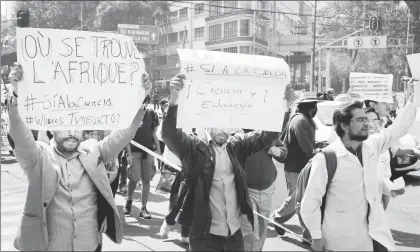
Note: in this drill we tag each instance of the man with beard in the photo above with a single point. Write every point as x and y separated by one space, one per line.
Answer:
354 218
69 202
216 189
300 142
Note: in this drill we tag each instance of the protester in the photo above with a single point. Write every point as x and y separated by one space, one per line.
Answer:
142 163
354 218
384 167
382 108
164 103
261 174
217 194
174 207
300 141
124 161
68 205
328 96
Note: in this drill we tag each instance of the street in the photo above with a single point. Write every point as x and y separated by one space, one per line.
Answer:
141 235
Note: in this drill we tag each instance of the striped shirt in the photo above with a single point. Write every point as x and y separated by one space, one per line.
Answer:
72 213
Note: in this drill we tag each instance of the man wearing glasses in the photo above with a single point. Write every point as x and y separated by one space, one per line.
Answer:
354 218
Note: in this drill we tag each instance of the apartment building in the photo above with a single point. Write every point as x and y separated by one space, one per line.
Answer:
228 26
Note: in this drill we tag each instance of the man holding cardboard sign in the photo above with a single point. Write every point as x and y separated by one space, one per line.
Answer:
216 193
69 203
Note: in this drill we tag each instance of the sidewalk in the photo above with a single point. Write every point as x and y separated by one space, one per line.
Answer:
139 234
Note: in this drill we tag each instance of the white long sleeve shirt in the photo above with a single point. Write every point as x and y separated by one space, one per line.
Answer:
348 224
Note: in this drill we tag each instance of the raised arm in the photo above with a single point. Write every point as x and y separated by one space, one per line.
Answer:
115 142
175 139
385 138
26 150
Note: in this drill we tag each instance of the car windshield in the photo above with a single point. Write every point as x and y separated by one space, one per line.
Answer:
325 112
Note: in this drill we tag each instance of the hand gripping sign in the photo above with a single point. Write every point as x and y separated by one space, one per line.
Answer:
78 80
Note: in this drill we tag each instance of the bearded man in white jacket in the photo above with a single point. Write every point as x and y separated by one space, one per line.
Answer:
354 218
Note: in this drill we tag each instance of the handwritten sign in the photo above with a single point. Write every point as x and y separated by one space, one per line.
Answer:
226 90
414 63
78 80
376 87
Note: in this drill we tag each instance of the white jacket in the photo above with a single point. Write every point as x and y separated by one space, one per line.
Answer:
354 191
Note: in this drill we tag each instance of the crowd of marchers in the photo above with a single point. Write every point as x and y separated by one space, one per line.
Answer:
340 192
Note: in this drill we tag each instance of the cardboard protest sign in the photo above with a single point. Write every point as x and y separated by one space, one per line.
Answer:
226 90
78 80
369 86
414 63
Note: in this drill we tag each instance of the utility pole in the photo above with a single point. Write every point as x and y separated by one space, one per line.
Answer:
320 71
81 15
254 33
185 33
313 51
406 52
191 24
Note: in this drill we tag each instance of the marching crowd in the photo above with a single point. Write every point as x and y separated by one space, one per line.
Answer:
227 178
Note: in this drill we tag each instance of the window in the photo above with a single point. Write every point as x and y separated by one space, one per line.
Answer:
198 9
162 60
163 39
199 32
230 6
215 32
173 16
262 5
244 29
262 32
231 49
183 13
173 37
245 49
215 8
183 35
231 30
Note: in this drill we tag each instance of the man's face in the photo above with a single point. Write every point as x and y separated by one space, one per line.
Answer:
164 107
374 123
330 94
358 129
382 108
219 135
68 140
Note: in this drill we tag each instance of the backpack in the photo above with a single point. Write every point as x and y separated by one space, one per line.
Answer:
302 182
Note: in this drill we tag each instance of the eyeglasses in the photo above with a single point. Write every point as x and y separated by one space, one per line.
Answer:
360 120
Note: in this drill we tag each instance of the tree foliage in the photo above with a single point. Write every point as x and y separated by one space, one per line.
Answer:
353 15
414 7
109 14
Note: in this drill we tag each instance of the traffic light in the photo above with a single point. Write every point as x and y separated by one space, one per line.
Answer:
374 23
23 16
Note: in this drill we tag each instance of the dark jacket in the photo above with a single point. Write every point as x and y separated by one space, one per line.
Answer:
197 158
260 170
300 143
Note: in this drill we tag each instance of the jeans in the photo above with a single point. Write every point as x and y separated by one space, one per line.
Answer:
287 210
261 203
211 242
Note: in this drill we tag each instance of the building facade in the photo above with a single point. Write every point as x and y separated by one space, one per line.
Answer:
230 26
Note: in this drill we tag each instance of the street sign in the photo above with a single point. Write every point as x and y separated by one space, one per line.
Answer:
144 34
367 42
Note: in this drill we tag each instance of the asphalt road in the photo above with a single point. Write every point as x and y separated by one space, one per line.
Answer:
141 235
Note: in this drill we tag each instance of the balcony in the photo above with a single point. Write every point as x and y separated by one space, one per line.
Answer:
224 15
236 39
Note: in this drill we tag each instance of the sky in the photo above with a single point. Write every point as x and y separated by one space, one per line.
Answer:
6 6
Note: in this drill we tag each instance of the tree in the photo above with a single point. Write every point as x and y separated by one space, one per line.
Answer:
353 15
109 14
8 37
414 7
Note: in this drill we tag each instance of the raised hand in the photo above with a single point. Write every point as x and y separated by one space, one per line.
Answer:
176 85
16 76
